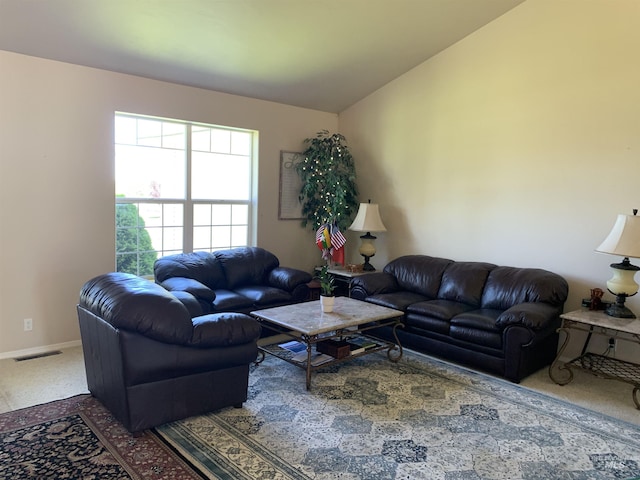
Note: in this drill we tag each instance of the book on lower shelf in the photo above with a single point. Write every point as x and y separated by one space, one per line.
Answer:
294 346
361 344
316 358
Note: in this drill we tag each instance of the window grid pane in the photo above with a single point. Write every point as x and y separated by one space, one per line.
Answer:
151 165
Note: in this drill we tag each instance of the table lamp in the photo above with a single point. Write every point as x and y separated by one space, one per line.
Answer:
368 220
623 240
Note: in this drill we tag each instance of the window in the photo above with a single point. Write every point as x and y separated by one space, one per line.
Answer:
180 187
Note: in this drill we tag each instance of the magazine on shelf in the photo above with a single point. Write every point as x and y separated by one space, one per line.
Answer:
295 347
316 358
361 344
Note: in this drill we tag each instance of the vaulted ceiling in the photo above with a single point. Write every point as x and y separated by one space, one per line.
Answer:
320 54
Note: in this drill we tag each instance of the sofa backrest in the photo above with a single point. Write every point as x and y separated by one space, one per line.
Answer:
246 265
508 286
132 303
464 282
201 266
420 274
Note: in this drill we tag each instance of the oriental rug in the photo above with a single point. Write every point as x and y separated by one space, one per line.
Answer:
370 419
77 438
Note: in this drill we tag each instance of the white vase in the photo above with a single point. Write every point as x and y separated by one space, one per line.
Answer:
327 303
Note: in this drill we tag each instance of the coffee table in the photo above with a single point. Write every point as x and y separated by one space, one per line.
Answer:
350 319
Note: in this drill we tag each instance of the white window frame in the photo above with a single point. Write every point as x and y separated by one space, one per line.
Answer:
188 203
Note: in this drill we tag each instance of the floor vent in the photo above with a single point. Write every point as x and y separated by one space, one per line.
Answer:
37 355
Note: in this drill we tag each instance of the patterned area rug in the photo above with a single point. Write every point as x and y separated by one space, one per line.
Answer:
418 419
77 438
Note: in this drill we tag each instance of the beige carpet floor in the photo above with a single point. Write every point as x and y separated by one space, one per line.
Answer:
40 380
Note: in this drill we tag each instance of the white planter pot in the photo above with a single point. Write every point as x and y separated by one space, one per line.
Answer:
327 303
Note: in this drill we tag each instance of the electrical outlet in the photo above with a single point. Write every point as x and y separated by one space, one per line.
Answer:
612 346
28 324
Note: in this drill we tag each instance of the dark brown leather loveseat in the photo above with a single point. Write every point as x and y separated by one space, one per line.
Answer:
234 280
498 319
150 363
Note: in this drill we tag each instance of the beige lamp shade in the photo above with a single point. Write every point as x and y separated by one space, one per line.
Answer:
624 238
368 219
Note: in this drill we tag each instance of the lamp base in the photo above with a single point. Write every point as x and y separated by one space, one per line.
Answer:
367 250
618 309
367 267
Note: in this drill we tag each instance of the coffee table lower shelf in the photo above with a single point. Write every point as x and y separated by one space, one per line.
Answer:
308 324
394 352
605 367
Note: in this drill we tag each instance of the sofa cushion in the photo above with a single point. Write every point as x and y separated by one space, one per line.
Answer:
464 282
480 319
508 286
262 295
428 324
190 285
418 273
440 309
397 300
286 278
228 301
246 266
224 330
201 266
476 337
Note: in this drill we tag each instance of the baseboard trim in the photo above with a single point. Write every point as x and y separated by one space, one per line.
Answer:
38 350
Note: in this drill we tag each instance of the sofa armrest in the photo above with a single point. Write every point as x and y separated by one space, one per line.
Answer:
194 287
287 279
190 302
536 316
132 303
376 283
224 330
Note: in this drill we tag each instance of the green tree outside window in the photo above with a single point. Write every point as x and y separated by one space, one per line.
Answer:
134 251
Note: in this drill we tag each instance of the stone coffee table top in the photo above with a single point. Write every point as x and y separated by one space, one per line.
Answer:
309 319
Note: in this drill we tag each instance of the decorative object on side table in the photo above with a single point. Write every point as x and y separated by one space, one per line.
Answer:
327 289
368 220
623 240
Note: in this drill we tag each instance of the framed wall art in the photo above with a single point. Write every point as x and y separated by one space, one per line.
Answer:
289 207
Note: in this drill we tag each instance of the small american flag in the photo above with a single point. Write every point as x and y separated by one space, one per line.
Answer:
337 238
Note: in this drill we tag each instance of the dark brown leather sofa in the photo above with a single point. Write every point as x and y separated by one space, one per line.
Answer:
150 363
234 280
498 319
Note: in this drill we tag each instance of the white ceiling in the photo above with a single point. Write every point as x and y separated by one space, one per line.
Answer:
320 54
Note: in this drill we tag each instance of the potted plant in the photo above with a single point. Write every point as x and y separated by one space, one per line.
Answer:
327 289
329 192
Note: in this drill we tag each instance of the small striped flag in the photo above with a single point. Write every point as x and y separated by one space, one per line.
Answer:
337 238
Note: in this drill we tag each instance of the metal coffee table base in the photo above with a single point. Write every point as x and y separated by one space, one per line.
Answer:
305 322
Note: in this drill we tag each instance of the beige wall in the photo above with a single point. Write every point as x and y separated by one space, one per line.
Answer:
57 181
519 145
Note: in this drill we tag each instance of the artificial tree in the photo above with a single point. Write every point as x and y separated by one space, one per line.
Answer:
329 192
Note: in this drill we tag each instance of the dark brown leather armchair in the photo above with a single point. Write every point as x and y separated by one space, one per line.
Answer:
150 363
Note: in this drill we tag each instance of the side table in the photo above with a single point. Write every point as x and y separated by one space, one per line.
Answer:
314 290
602 365
343 278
